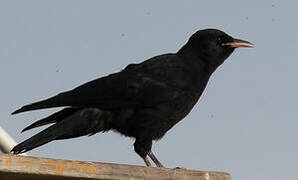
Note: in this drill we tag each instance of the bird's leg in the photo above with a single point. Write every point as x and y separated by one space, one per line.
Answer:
146 161
142 148
154 159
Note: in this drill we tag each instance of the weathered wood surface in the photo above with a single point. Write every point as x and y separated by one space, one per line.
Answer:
14 167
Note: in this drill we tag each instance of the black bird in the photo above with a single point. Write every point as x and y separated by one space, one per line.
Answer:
143 100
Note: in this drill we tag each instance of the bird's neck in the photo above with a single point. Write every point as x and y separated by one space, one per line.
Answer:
196 59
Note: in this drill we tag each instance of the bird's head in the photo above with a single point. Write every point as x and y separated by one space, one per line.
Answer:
212 45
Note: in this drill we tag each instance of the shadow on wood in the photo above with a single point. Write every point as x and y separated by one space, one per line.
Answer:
14 167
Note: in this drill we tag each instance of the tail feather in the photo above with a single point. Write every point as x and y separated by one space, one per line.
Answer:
58 116
82 122
37 140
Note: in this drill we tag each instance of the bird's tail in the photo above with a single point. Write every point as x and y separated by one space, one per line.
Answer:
86 121
53 118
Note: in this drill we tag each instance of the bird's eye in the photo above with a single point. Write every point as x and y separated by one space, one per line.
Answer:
220 41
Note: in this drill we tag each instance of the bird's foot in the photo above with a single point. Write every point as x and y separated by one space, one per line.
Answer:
155 160
180 168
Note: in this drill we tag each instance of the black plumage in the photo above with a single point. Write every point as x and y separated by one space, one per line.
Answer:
142 101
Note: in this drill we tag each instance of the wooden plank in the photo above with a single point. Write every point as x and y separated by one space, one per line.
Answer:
14 167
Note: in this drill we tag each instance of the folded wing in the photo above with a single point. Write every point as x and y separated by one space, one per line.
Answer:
123 89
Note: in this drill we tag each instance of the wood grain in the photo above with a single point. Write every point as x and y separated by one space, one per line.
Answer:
14 167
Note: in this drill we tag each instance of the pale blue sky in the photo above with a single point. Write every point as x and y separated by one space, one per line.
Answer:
246 121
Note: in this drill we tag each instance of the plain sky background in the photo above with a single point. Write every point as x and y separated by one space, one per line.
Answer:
245 123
